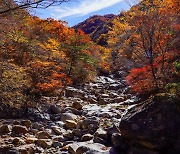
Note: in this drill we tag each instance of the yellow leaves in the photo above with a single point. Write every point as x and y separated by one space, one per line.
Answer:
51 45
13 82
17 36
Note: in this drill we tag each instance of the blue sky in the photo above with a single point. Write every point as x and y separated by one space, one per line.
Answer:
79 10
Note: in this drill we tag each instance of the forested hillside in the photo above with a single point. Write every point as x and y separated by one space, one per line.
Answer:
97 26
109 84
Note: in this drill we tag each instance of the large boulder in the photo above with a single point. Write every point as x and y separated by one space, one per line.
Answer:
154 124
18 129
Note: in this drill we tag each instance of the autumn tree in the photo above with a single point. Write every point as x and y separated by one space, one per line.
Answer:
13 83
77 49
145 34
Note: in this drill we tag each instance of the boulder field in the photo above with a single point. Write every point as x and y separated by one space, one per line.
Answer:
99 117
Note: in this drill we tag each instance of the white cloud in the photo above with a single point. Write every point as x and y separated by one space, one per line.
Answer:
82 8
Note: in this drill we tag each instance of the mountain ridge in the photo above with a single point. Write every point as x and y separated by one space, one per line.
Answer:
95 26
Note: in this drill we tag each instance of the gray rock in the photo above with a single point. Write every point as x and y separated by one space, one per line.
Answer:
60 124
68 116
90 122
55 109
37 125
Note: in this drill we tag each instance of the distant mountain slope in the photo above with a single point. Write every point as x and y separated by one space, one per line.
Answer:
96 26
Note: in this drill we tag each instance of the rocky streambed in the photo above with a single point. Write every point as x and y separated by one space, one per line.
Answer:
95 118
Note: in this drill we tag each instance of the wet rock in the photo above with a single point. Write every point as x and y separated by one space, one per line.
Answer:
55 109
154 123
70 124
4 129
26 123
18 129
87 137
68 116
43 135
44 143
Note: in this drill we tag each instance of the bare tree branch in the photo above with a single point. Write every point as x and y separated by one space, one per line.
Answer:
11 5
